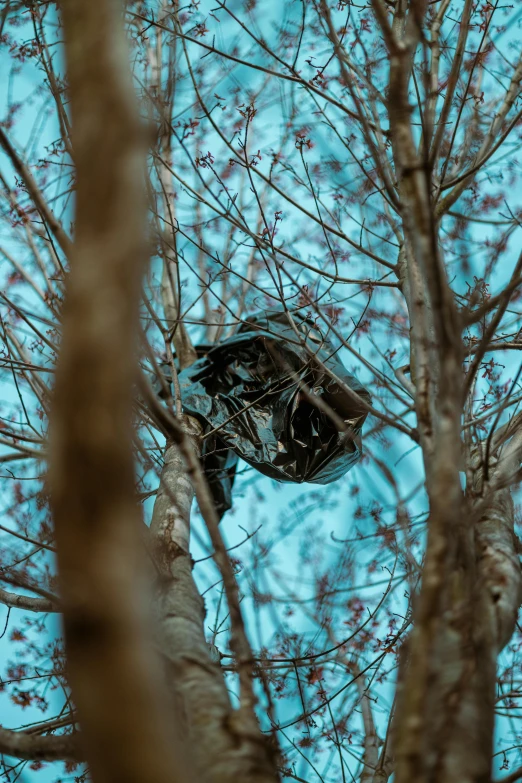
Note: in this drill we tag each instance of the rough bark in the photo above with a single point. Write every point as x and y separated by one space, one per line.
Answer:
28 603
453 722
128 731
491 614
471 579
471 587
469 596
500 575
229 745
25 745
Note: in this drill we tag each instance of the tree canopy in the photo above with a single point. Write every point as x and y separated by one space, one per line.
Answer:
167 172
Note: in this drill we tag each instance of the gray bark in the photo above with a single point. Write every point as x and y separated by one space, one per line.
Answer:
226 745
25 745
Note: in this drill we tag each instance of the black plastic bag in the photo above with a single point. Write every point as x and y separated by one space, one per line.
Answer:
254 395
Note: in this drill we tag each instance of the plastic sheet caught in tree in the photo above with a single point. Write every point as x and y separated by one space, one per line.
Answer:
254 394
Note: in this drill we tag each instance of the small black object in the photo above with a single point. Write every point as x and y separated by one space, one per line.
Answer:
254 395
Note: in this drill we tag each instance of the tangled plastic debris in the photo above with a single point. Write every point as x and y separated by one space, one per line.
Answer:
276 395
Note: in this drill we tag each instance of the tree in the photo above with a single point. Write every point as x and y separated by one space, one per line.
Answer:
356 163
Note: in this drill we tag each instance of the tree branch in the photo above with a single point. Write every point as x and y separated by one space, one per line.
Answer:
31 747
35 194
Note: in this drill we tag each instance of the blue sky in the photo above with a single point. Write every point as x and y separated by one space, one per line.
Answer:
257 500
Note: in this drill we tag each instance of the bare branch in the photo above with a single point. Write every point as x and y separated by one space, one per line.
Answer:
29 746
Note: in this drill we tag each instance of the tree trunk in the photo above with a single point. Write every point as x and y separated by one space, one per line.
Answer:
447 717
228 747
129 733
